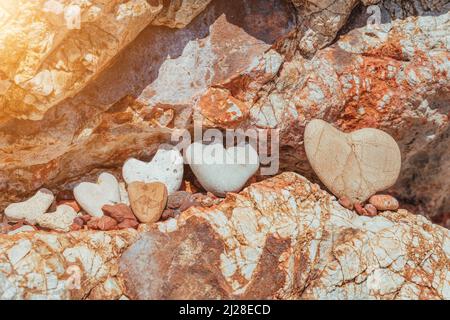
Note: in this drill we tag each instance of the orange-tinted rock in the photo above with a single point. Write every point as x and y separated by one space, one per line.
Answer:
75 227
147 200
119 212
360 209
248 247
169 214
371 210
384 202
103 223
128 223
346 203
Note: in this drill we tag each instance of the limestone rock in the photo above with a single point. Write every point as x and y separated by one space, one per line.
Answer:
148 200
354 165
284 238
31 209
280 238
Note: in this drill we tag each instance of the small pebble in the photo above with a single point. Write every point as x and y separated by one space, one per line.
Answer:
79 221
371 210
169 214
189 202
119 212
103 223
75 227
346 203
128 223
176 199
86 218
360 209
384 202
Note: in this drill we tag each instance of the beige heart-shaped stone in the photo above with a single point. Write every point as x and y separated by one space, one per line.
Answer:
355 165
147 200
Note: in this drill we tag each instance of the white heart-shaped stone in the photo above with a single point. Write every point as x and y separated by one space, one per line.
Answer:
60 220
221 170
93 196
166 167
32 208
355 165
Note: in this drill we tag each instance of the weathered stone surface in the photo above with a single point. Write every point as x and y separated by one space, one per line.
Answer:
284 238
40 265
49 50
30 209
280 238
278 62
60 220
352 165
148 200
394 78
165 69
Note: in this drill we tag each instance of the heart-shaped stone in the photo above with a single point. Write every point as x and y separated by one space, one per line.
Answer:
166 167
93 196
32 208
221 170
60 220
148 200
354 165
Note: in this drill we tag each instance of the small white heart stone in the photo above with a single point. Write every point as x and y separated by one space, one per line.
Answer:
221 170
60 220
355 165
32 208
93 196
166 167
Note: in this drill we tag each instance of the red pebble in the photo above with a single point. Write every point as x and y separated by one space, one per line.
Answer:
360 209
346 203
371 210
119 212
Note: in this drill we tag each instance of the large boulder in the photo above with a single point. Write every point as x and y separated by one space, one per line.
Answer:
285 238
282 238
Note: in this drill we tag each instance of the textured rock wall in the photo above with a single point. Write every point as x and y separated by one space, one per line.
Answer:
284 238
40 265
123 86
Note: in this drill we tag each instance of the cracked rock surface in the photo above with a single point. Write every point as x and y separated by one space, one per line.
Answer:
76 265
136 70
284 238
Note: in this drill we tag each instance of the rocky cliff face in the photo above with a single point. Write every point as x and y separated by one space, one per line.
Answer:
86 84
143 68
283 238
